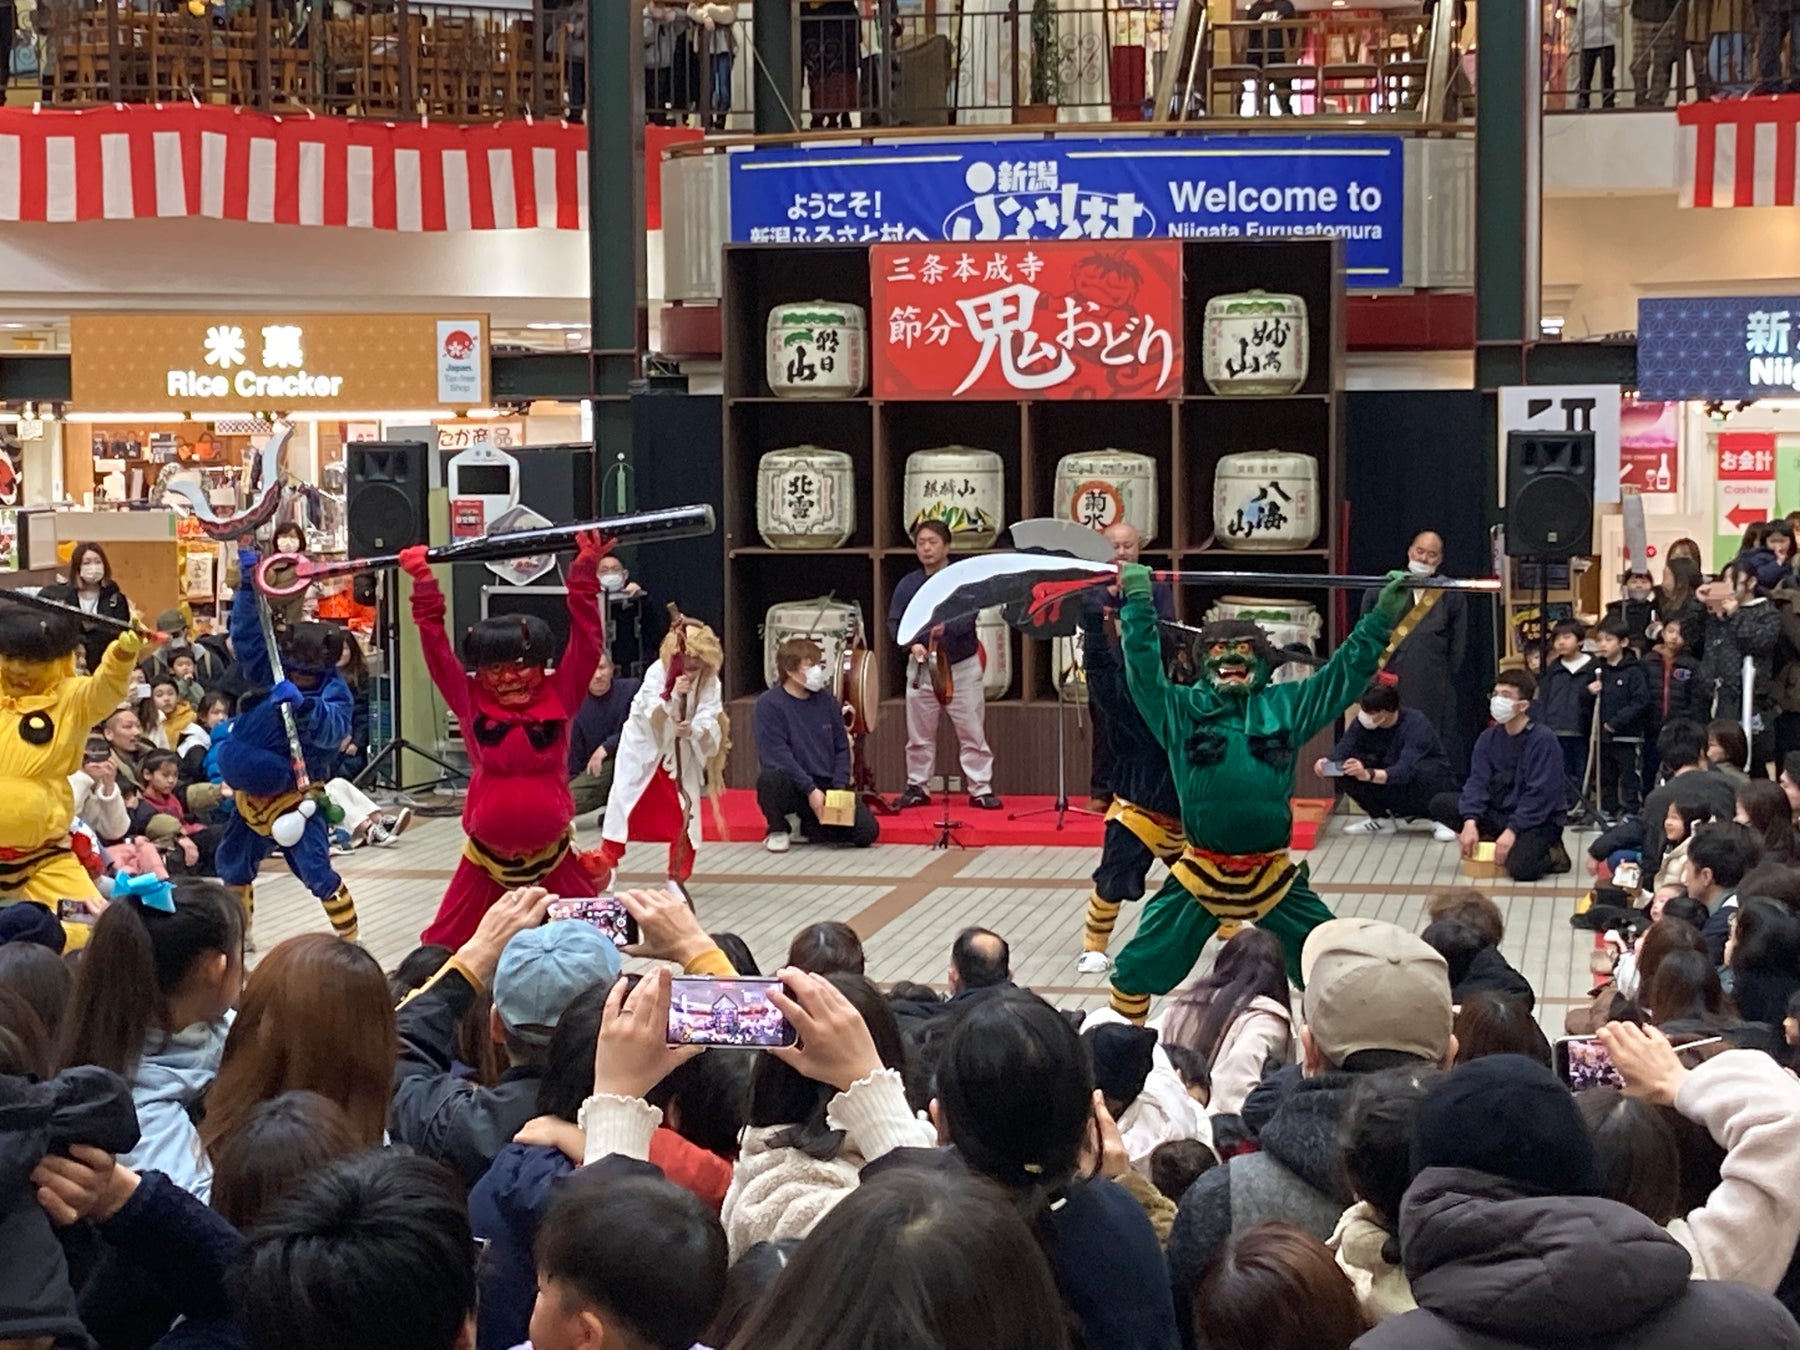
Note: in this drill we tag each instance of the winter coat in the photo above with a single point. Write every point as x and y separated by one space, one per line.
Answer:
82 1105
1747 1229
1264 1030
103 811
1676 691
509 1203
1494 1266
1754 630
443 1116
780 1192
1490 972
170 1080
1102 1251
111 604
1162 1113
1624 696
1563 703
162 1281
1786 680
1361 1246
1597 23
1296 1178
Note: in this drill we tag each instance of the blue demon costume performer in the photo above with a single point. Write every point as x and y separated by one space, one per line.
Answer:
256 764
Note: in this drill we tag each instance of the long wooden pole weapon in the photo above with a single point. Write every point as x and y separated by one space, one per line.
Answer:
674 522
71 611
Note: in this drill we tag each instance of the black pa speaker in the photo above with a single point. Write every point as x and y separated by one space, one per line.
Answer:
384 496
1549 494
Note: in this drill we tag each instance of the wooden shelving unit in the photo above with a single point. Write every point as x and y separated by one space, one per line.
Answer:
1186 437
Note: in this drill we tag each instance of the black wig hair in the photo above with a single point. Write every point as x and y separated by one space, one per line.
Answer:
522 639
33 635
312 646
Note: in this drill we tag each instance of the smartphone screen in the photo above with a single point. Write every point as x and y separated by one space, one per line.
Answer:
604 912
74 911
1332 769
733 1012
1582 1063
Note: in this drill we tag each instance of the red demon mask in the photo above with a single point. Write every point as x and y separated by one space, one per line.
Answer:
513 685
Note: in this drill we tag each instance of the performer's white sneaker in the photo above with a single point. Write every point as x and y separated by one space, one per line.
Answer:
1093 963
1443 834
776 841
1372 825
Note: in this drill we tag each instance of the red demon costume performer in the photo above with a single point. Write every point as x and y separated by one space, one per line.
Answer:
515 720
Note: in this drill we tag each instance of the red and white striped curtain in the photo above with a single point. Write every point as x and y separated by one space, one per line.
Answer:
133 162
1739 153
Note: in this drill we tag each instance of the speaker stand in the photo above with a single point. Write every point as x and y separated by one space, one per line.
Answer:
385 766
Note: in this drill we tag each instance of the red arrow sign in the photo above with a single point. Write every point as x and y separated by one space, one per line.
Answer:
1740 516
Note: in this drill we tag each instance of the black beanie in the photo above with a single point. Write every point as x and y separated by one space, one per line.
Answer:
28 921
1510 1117
1122 1056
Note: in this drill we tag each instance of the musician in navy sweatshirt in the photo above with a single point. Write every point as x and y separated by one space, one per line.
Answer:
1516 793
594 736
804 752
1392 763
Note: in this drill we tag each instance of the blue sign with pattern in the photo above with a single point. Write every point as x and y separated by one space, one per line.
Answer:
1728 348
1190 187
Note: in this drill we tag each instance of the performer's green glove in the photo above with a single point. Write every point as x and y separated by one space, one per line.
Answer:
1134 579
1395 598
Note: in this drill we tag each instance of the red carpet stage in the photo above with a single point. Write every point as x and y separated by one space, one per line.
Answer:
981 829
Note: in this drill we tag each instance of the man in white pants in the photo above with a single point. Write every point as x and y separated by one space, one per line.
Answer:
968 711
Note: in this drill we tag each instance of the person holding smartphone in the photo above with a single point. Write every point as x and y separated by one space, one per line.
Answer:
98 801
1391 762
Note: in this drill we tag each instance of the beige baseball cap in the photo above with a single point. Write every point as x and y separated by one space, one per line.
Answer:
1374 986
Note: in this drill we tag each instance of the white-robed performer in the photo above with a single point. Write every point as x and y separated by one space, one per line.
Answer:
671 753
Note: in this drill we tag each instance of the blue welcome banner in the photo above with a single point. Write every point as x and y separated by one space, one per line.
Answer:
1191 187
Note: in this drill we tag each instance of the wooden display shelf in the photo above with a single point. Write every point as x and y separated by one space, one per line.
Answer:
1185 436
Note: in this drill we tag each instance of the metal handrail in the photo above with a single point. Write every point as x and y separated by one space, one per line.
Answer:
1080 130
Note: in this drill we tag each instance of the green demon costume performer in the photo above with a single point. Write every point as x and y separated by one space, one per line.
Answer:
1232 739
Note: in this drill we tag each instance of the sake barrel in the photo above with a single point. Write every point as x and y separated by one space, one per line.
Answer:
995 652
818 349
1266 499
1289 623
1254 343
959 485
805 498
1108 486
828 622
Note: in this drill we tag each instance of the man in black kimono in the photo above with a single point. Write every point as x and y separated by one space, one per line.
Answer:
1426 648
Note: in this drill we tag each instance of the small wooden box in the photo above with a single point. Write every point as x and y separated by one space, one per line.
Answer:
1482 867
840 809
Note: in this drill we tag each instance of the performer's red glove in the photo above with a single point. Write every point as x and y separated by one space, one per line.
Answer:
412 562
592 544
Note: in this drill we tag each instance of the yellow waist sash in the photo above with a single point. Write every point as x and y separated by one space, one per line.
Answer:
1235 890
1158 833
515 872
261 813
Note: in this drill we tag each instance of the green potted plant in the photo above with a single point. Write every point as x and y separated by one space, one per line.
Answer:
1046 64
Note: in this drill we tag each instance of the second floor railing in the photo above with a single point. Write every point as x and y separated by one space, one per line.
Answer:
857 63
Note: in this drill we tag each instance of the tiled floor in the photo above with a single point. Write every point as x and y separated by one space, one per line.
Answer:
908 902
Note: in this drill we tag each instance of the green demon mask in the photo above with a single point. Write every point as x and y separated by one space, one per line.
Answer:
1236 656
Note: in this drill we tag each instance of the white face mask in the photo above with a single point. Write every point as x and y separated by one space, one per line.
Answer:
93 573
1501 708
612 581
1368 720
814 678
1419 569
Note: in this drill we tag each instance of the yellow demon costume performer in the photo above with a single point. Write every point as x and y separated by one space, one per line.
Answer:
46 713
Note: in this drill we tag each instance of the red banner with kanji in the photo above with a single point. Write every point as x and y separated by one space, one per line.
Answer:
1052 319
